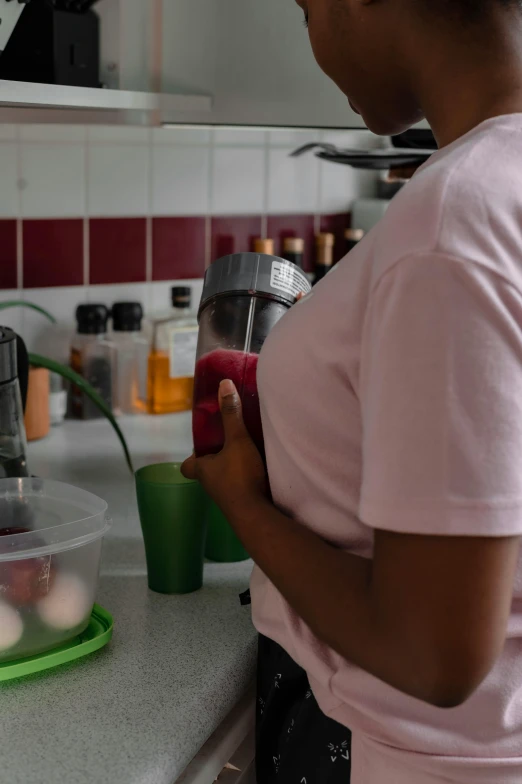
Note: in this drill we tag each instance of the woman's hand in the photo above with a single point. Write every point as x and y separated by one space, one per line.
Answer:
235 478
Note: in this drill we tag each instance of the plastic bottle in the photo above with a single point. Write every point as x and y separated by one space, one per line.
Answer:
324 255
352 238
293 250
174 337
91 357
130 349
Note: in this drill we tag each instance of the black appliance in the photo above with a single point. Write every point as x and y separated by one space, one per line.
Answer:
54 42
14 372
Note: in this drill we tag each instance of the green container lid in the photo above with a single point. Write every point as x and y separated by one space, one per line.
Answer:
96 635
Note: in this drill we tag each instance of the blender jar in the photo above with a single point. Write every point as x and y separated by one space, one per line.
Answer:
244 296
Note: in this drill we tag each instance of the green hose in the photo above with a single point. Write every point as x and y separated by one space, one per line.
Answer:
62 370
20 303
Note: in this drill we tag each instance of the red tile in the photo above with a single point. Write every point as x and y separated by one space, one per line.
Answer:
178 248
234 234
8 254
117 249
280 227
53 252
337 224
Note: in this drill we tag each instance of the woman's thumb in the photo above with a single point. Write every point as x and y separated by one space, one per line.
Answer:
231 410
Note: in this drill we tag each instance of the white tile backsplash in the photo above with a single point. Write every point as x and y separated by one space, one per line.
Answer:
117 134
59 134
120 292
353 139
293 137
8 132
239 137
36 330
117 180
159 294
190 136
74 171
180 180
238 181
338 187
54 340
9 194
69 171
52 180
11 317
293 183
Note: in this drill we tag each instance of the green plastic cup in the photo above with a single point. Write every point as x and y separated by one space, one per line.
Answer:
173 520
222 543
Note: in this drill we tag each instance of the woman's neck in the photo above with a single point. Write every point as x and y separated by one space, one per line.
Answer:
461 84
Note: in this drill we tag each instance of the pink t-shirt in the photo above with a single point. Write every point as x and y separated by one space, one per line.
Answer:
392 398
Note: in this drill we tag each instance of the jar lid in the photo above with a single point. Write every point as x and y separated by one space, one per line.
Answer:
92 319
354 235
8 363
127 316
264 246
254 273
325 240
181 296
293 245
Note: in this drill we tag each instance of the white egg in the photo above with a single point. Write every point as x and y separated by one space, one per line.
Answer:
67 604
11 626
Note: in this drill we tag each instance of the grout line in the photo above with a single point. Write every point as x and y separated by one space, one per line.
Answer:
210 198
148 219
86 252
320 183
19 219
86 236
208 241
266 184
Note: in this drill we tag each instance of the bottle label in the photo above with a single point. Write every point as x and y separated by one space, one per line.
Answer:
288 279
183 347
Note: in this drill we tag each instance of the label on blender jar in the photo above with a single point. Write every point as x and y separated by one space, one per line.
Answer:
183 346
288 279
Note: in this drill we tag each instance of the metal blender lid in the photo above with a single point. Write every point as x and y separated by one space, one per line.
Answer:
256 273
8 361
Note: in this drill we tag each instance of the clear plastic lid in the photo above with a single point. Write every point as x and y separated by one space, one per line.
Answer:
47 517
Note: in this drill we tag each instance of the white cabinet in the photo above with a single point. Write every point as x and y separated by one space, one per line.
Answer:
254 58
212 62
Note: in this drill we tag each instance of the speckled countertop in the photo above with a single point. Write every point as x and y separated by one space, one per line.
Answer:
139 710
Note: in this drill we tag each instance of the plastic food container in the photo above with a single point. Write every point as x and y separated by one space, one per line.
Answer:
50 545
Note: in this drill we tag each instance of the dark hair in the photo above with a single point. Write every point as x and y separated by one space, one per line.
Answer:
469 9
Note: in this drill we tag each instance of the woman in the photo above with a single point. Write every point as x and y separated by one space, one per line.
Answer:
388 575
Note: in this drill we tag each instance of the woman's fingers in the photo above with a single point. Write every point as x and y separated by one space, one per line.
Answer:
189 467
231 411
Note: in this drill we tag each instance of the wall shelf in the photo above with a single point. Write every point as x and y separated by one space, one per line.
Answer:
28 101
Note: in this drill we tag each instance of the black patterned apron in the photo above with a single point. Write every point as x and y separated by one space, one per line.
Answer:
295 742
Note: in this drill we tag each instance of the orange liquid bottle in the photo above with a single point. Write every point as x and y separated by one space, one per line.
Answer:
170 372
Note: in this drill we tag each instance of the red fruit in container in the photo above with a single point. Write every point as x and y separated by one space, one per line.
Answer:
211 369
25 581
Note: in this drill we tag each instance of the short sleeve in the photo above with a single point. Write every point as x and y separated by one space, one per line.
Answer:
441 400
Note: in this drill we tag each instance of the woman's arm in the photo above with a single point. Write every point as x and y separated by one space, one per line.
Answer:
428 615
